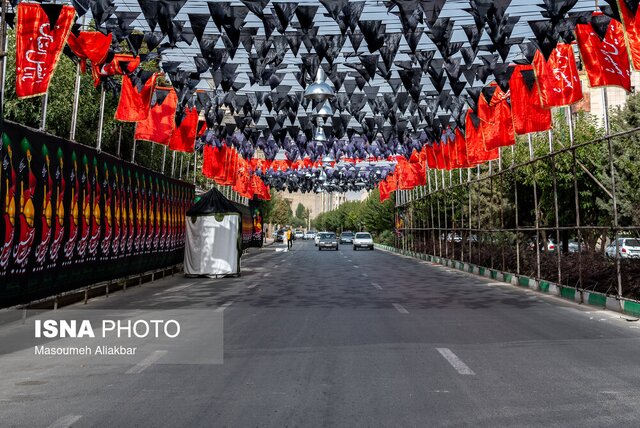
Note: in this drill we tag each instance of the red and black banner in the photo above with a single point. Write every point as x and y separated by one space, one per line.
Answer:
73 217
41 33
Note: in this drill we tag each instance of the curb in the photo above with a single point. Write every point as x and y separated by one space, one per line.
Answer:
584 297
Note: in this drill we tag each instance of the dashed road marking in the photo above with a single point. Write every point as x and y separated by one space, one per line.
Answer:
65 421
173 289
251 286
266 274
224 306
456 362
376 285
355 266
142 365
400 308
364 274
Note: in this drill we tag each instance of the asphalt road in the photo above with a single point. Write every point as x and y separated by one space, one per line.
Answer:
344 338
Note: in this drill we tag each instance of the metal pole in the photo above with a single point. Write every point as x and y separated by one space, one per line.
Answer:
76 102
133 151
555 207
515 200
535 204
119 140
43 115
605 110
173 164
576 197
615 216
181 160
195 165
164 159
101 120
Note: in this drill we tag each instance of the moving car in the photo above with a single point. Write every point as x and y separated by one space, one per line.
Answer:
280 235
346 237
311 234
298 234
629 248
316 238
363 240
327 240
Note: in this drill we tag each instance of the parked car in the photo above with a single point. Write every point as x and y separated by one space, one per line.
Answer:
629 248
298 234
362 240
310 234
346 237
327 240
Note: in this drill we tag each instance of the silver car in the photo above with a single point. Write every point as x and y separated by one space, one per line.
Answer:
629 248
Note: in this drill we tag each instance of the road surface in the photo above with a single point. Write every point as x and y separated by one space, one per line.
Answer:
344 338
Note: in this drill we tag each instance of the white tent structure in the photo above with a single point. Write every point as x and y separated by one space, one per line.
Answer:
212 247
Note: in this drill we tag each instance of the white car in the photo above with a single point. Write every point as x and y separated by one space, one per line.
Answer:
363 240
629 248
316 237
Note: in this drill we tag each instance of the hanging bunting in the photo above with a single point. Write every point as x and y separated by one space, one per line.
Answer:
41 33
183 137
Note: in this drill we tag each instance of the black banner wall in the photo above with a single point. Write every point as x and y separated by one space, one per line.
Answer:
72 216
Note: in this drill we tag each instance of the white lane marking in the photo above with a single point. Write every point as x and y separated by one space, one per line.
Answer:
142 365
456 362
266 274
496 283
355 266
251 286
364 274
65 421
224 306
376 285
400 308
173 289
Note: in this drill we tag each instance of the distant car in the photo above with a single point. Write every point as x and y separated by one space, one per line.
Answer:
310 234
280 235
327 240
575 247
299 234
362 240
629 248
316 238
346 237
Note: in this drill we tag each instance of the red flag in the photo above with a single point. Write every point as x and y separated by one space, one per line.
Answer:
496 122
183 138
119 65
461 150
557 78
383 188
476 149
134 105
38 46
90 45
159 124
526 107
605 59
631 25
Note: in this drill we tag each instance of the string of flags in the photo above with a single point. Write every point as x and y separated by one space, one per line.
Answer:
410 87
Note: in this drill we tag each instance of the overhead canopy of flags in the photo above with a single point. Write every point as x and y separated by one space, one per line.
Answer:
414 84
